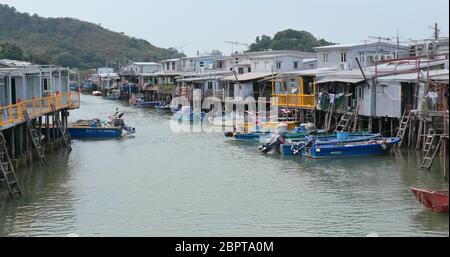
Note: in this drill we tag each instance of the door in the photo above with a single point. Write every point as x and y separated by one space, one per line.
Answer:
13 91
407 96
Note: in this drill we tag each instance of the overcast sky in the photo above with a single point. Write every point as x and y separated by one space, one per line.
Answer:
206 24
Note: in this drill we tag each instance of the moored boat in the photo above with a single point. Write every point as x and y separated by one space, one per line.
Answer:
289 147
437 200
97 93
113 95
350 149
139 101
95 128
164 109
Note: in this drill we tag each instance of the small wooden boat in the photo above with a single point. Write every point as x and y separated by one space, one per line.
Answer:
164 109
95 128
266 135
289 147
187 114
350 149
437 200
87 132
140 102
113 95
97 93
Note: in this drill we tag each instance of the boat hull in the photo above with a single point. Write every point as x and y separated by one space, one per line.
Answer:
146 104
88 132
286 149
348 150
437 200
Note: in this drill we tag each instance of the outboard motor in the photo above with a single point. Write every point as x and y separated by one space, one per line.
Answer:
274 142
129 130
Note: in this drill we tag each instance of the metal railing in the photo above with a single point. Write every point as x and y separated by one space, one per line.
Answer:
13 114
296 100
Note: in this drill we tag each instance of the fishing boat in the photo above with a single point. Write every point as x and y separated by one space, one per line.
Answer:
187 114
292 146
349 149
95 128
139 101
437 200
97 93
113 95
262 136
164 109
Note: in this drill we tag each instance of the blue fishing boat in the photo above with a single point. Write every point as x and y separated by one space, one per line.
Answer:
187 114
113 95
138 101
164 109
350 149
288 148
261 136
95 128
86 132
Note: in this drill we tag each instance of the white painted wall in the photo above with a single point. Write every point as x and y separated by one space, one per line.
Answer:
243 90
3 91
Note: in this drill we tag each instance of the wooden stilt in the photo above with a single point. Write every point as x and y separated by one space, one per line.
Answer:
419 135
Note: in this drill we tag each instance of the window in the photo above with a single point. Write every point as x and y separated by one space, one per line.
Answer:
167 66
210 85
278 65
249 69
241 70
293 89
237 60
202 64
343 57
360 92
295 65
362 57
173 66
325 57
45 84
220 64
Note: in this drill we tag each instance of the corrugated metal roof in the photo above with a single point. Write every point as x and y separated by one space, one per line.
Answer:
248 76
346 46
441 75
337 79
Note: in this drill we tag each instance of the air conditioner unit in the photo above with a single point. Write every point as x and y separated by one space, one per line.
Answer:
344 66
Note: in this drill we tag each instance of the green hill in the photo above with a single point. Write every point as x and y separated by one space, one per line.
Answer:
288 40
74 43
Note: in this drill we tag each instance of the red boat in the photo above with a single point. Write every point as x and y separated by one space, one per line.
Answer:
437 200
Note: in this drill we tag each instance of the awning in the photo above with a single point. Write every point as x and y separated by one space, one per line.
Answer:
247 76
345 80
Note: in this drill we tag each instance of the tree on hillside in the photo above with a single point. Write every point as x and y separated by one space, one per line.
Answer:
11 51
288 40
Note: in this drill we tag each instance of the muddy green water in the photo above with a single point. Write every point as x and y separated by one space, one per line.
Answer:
159 183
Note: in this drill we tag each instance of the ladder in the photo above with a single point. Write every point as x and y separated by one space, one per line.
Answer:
63 132
7 173
430 154
345 120
35 138
355 119
403 126
329 116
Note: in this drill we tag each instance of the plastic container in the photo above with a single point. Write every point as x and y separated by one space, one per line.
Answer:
343 136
